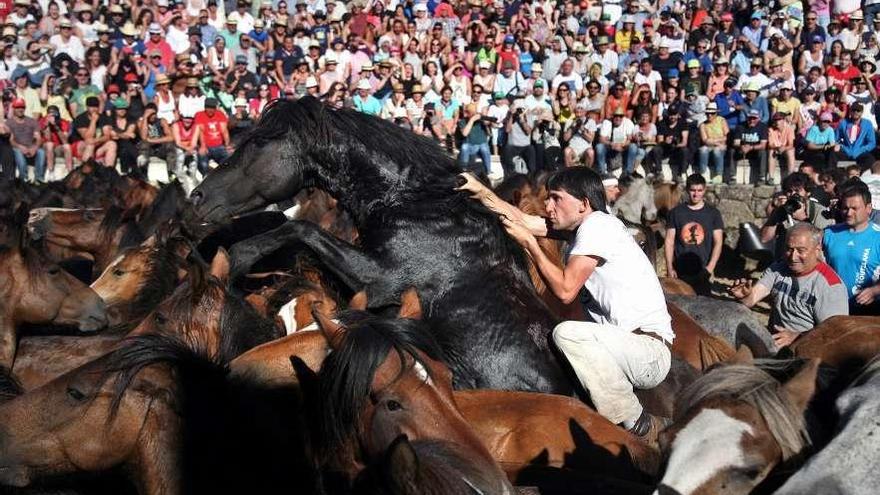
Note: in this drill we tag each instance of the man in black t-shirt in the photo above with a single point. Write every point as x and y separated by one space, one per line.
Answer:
694 237
91 136
672 142
750 142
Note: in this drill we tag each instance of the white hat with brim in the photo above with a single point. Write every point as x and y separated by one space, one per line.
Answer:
364 84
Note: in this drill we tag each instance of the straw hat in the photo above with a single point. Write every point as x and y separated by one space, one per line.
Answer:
128 29
162 79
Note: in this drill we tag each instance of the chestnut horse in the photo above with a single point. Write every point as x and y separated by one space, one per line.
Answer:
136 421
99 233
35 290
384 378
522 430
733 426
846 342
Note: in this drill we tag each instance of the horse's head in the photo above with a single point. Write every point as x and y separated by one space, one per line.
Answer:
272 163
386 378
140 277
66 426
204 313
738 424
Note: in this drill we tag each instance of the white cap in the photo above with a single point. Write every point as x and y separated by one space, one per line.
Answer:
330 58
364 84
240 102
162 3
155 28
664 43
311 82
421 7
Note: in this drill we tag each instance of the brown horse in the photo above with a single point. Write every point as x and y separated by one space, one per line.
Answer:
98 233
676 286
694 344
35 290
385 378
522 430
136 415
733 426
845 342
319 208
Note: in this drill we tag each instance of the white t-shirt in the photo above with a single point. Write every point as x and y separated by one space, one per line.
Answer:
651 80
617 134
625 289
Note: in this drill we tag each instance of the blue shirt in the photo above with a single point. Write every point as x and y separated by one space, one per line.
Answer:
370 107
855 256
817 136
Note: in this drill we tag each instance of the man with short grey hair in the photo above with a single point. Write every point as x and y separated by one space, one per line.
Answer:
806 291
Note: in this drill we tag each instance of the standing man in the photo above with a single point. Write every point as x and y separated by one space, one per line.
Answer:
694 238
806 291
852 248
629 343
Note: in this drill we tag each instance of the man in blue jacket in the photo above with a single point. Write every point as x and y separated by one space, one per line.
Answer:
856 137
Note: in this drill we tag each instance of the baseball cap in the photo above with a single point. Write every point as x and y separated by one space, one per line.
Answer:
754 114
826 117
538 84
364 84
18 103
93 101
120 103
673 73
211 102
155 28
778 116
113 88
693 64
818 39
241 59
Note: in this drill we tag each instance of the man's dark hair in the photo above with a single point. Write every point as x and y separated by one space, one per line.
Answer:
582 183
694 180
795 180
854 187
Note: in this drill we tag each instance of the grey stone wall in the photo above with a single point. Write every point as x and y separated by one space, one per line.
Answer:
738 204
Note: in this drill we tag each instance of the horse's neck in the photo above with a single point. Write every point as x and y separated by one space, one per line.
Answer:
8 339
156 466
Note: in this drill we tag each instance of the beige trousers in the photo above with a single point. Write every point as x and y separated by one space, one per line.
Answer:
610 361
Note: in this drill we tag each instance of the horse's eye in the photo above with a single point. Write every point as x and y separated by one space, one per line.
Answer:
160 319
117 272
393 405
75 394
54 270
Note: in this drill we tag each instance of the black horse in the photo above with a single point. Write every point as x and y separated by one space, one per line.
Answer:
415 231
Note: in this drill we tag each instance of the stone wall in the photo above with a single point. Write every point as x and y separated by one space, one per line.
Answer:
738 204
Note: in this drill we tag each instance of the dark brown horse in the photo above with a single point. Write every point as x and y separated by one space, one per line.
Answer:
35 290
846 342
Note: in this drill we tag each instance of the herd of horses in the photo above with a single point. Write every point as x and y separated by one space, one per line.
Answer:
382 335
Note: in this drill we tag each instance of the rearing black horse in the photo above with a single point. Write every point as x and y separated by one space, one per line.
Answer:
415 230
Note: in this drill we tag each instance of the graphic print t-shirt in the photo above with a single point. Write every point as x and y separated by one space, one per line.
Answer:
693 236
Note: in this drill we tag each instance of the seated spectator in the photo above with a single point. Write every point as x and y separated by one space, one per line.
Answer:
615 141
364 101
91 137
56 139
213 135
852 248
713 138
672 142
820 143
780 146
27 143
805 290
856 136
750 142
644 138
579 133
156 139
475 139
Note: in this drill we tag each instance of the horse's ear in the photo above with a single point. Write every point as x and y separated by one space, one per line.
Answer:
151 241
359 301
332 331
801 387
220 266
306 377
410 307
402 465
743 356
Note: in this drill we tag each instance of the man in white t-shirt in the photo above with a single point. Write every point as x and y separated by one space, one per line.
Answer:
569 77
629 343
615 140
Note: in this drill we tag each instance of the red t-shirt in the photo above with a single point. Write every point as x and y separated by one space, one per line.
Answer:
210 127
63 128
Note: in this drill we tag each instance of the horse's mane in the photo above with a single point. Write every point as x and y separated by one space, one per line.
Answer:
347 374
439 470
869 371
757 388
166 206
115 218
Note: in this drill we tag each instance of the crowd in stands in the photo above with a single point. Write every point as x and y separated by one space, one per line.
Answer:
610 84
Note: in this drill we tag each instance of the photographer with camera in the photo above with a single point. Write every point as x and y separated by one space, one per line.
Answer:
793 205
474 131
579 133
56 138
518 127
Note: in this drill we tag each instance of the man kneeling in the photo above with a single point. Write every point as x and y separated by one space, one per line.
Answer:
629 343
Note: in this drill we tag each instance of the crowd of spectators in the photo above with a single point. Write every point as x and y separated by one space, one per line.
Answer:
543 84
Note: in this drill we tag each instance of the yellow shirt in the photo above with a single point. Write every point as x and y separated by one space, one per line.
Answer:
623 39
791 106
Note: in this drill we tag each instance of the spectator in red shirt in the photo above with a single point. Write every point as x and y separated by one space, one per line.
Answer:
212 134
840 75
56 138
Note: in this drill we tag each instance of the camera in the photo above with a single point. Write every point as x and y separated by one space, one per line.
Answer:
488 120
518 113
793 204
